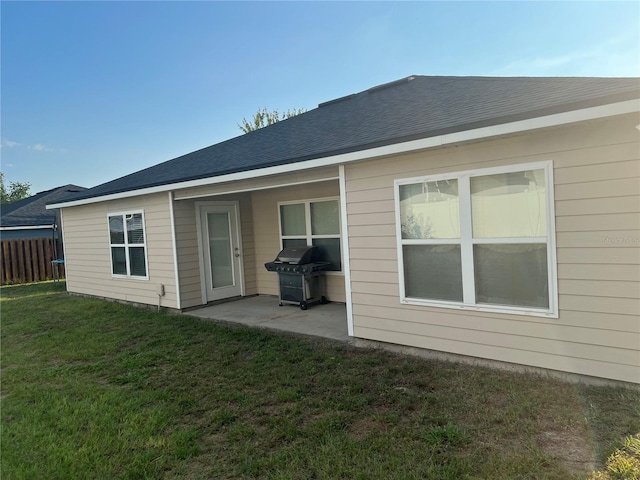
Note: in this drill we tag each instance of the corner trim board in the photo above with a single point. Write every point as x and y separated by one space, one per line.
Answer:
346 262
174 245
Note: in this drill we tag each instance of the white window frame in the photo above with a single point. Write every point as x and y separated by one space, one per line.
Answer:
308 235
466 241
127 245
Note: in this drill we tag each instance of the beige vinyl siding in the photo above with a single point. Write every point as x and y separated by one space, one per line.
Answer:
267 236
597 203
248 245
87 251
187 247
189 267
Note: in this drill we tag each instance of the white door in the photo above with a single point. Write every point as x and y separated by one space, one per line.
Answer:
220 251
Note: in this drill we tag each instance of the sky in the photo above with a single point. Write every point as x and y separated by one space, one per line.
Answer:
92 91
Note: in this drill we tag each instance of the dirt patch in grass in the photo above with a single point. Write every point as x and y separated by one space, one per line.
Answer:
362 428
571 447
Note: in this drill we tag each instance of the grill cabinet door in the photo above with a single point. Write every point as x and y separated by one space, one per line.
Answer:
291 287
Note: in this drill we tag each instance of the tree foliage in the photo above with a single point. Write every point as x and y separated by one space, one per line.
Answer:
264 117
16 191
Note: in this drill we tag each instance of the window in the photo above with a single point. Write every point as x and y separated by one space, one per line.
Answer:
481 239
127 241
313 223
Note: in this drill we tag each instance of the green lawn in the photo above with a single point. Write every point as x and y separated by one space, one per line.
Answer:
98 390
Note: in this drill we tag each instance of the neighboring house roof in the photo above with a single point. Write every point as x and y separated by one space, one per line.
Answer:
413 108
31 211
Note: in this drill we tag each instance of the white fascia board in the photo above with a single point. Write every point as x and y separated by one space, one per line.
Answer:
28 227
591 113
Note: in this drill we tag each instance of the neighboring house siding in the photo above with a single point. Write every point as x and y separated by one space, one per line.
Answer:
87 249
597 204
189 267
267 236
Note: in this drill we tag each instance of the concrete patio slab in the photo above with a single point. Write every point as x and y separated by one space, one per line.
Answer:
328 321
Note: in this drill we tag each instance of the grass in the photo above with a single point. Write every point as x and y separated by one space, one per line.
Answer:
93 389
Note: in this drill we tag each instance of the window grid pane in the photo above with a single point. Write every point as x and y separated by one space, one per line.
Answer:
116 230
325 218
118 260
430 210
509 205
433 272
137 263
293 219
294 242
329 252
135 231
514 275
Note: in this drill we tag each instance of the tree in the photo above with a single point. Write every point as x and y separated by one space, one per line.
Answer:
17 191
263 118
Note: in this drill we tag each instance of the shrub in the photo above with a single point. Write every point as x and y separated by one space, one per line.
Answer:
624 463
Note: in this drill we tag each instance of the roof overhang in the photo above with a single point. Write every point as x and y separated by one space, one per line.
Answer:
476 134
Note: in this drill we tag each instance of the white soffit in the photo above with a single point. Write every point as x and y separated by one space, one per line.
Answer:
591 113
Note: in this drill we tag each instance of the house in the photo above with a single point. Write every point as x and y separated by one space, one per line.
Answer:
31 249
494 218
29 217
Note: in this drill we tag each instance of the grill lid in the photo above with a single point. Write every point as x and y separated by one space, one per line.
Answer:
298 255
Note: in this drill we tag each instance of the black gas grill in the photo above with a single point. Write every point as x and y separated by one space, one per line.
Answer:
299 275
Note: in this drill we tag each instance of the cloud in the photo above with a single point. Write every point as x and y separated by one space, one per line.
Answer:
614 57
36 147
9 143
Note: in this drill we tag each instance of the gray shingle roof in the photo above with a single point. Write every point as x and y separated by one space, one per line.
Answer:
408 109
31 211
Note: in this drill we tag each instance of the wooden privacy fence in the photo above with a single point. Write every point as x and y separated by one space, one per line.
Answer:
29 260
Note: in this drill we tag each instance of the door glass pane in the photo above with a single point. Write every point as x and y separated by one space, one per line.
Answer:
118 261
430 210
292 219
135 231
137 262
511 274
325 218
509 205
329 251
220 250
116 230
433 272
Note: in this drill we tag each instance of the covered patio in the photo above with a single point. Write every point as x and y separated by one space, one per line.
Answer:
262 311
